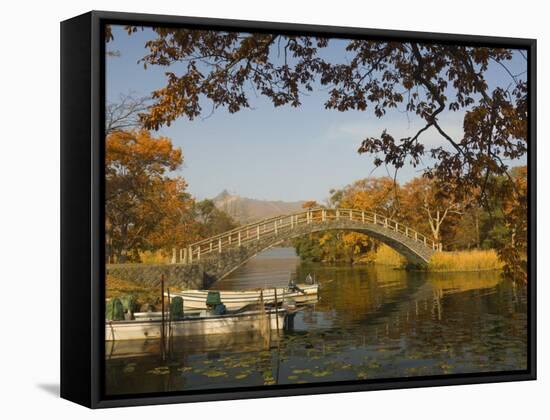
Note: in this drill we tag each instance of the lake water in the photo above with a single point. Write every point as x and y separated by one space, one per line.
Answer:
370 322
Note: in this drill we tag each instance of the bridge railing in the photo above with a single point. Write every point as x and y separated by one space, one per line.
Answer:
278 225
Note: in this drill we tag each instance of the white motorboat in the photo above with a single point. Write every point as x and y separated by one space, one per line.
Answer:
148 324
235 299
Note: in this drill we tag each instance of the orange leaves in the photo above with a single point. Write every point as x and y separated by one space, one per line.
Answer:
145 209
138 151
310 204
379 195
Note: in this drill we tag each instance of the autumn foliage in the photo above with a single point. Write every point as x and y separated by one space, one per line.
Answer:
227 70
462 222
147 207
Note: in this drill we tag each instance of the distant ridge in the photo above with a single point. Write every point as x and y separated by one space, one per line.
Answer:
247 210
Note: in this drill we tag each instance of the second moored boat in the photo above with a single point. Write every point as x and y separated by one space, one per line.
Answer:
300 293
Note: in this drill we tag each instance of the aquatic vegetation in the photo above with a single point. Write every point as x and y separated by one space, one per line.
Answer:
214 373
362 374
320 373
446 367
268 378
161 370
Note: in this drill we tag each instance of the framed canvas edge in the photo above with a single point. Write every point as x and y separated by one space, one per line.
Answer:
97 270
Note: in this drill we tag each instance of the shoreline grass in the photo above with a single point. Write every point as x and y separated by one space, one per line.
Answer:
456 261
119 288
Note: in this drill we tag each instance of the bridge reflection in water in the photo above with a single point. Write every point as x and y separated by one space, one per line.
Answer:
369 323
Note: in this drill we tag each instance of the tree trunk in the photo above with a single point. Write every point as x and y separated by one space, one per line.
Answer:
108 241
478 238
123 252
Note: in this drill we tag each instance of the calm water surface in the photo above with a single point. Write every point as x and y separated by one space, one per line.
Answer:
369 323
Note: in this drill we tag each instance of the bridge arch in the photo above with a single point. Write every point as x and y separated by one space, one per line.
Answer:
221 254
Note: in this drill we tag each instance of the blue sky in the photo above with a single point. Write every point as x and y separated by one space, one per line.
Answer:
272 153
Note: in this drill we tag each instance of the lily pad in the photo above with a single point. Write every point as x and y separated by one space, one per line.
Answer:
161 370
214 373
321 373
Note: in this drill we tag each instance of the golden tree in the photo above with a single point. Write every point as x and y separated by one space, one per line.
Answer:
144 208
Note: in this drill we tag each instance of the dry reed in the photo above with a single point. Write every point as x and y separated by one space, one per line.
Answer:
475 260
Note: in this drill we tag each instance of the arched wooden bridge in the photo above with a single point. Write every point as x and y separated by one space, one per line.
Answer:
221 254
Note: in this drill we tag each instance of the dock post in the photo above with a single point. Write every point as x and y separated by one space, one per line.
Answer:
169 320
162 350
239 238
276 311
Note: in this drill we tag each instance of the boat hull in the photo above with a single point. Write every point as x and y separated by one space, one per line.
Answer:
223 324
196 299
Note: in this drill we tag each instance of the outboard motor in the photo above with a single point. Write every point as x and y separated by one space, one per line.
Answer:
214 303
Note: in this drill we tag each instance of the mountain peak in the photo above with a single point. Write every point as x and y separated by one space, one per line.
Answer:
247 210
223 195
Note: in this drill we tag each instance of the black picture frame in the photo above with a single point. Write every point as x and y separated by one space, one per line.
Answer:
82 210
